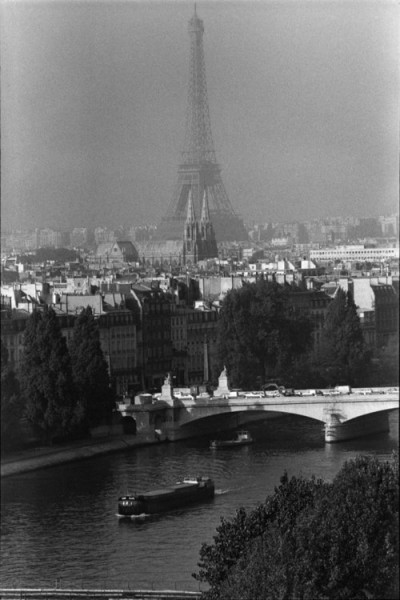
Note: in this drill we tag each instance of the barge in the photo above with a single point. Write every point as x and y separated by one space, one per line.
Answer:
243 438
187 491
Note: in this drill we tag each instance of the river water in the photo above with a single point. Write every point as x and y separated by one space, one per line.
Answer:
59 525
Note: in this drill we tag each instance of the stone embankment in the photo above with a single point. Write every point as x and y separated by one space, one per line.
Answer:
72 594
39 458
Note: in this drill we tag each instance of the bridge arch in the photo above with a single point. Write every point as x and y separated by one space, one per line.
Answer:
244 413
129 425
223 421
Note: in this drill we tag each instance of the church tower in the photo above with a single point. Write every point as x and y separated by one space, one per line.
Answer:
207 236
191 234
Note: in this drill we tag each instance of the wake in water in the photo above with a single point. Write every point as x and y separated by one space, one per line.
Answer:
222 492
140 517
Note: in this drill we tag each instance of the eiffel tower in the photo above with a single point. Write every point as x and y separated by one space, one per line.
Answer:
199 170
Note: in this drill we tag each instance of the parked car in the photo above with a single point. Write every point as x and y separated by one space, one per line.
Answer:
288 392
272 389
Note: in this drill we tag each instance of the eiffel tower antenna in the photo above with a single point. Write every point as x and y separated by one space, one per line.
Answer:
199 168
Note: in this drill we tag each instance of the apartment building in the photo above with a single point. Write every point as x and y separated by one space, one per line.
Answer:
355 253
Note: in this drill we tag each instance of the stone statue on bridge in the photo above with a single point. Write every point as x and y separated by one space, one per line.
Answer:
223 387
167 392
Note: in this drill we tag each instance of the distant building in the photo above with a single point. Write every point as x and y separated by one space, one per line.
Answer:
194 338
386 314
377 305
355 253
159 253
13 323
198 238
314 305
280 242
114 254
389 225
79 237
202 344
103 234
20 241
154 334
197 242
117 329
48 238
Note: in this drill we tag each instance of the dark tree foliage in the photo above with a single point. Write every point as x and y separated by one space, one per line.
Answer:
58 254
234 537
386 372
352 536
11 403
259 333
343 358
46 380
90 371
230 544
315 540
306 372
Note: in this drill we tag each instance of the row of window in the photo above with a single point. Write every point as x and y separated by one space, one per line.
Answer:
354 254
118 335
123 362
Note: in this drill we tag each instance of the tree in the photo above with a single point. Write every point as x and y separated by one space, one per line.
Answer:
317 540
259 333
386 371
46 380
343 357
351 541
234 538
90 370
11 403
230 544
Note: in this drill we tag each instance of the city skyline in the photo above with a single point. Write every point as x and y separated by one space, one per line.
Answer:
303 104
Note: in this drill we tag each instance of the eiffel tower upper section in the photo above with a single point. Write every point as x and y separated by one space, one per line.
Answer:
199 170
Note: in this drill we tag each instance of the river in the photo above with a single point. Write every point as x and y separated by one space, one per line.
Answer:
60 524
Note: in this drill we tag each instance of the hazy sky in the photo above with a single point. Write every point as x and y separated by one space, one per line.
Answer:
303 97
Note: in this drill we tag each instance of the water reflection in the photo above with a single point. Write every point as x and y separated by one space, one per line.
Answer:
62 521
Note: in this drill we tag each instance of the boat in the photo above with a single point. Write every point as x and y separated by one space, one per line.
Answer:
243 438
184 492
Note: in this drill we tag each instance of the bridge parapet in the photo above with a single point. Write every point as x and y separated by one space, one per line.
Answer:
168 413
366 396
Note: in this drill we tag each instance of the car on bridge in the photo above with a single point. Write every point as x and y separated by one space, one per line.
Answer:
272 389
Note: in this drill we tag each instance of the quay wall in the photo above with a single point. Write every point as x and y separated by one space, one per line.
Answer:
95 594
39 458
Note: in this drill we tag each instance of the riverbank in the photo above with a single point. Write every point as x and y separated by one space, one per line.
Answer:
50 456
96 594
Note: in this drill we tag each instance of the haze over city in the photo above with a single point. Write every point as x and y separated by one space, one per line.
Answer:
303 100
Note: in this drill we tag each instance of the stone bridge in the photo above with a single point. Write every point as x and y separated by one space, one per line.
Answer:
175 415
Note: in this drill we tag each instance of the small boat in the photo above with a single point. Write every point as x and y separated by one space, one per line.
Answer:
179 494
243 438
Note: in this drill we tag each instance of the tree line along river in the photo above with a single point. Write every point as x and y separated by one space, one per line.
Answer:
59 525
